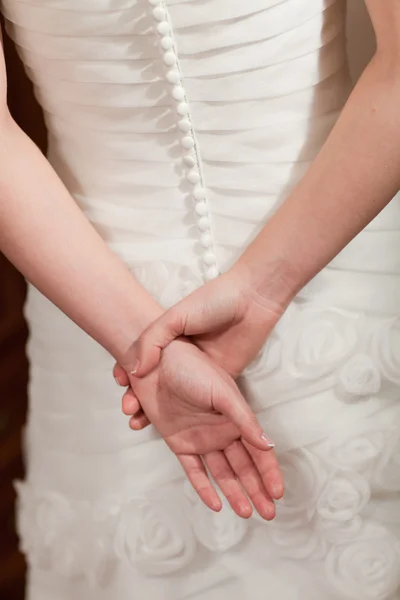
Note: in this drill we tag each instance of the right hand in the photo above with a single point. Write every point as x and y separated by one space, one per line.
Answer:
198 410
226 318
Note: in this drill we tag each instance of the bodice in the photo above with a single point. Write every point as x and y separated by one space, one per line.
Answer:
180 126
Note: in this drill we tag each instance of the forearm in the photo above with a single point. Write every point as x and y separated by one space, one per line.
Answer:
352 179
47 237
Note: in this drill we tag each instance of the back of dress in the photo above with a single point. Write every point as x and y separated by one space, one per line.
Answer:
179 128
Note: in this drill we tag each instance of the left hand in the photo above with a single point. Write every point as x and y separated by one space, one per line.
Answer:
199 412
222 315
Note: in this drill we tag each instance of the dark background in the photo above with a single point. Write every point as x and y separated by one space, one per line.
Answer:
13 364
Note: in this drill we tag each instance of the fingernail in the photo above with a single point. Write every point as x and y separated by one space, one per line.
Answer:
117 382
277 491
245 510
135 368
267 441
216 505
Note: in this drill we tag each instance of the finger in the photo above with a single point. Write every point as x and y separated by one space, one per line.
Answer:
130 403
230 402
225 478
197 475
139 421
145 353
268 467
120 376
250 479
199 313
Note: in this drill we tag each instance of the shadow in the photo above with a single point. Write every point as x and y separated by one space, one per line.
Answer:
13 362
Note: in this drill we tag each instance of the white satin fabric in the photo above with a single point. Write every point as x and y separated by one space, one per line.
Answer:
104 512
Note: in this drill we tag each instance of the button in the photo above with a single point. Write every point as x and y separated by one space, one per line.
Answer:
193 176
167 42
169 58
206 240
178 92
184 125
201 208
211 273
209 258
203 224
159 13
182 109
199 193
189 161
163 28
173 76
187 142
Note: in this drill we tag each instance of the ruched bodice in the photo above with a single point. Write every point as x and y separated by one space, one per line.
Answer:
179 127
264 81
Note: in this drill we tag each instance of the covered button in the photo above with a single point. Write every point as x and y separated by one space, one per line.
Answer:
211 273
201 208
159 13
193 176
209 258
203 224
199 193
187 142
206 240
189 160
163 28
173 76
167 42
169 58
183 109
178 92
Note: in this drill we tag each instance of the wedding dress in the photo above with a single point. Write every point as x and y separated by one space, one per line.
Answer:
179 127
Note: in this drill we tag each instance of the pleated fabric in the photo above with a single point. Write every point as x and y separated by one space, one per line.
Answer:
179 127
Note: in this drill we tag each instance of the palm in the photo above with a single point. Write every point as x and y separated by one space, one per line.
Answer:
189 391
193 430
194 404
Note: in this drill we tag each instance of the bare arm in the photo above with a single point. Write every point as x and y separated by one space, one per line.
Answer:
353 178
47 237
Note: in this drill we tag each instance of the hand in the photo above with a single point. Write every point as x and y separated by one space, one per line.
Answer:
198 410
226 318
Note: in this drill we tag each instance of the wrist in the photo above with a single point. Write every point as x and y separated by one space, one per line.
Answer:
272 283
255 317
129 329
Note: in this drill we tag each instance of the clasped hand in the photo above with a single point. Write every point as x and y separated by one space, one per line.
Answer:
181 376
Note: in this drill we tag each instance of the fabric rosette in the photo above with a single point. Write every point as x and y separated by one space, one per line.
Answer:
367 566
154 538
319 340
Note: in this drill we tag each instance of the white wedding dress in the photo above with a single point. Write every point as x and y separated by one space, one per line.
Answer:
179 127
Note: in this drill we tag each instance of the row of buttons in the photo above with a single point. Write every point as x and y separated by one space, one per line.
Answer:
188 141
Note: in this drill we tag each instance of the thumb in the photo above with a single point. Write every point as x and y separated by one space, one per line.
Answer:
145 353
203 311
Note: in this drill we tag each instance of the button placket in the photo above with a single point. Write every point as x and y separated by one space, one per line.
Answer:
191 158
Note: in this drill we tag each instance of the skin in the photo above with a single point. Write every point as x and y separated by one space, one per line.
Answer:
216 438
348 184
47 237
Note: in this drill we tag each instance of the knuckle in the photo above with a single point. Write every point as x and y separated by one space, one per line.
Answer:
248 472
223 476
235 447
